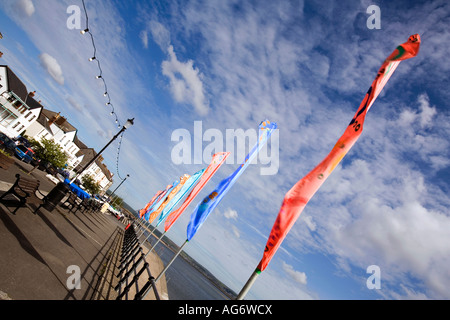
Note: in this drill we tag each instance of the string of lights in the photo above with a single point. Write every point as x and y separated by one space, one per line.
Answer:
95 58
117 159
100 77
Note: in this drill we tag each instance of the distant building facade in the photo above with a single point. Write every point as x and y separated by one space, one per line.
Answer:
20 114
18 109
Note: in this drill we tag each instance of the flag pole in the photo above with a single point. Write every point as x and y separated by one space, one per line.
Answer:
153 247
165 269
149 233
249 284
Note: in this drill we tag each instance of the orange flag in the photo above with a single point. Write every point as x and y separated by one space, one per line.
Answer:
296 199
144 210
172 193
217 160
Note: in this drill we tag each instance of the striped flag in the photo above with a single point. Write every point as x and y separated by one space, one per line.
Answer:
159 200
145 209
164 200
217 160
187 187
297 198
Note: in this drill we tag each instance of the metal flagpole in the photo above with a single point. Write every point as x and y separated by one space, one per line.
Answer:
167 267
249 284
148 235
154 244
144 227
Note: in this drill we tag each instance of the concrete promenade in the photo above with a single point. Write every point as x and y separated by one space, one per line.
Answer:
41 253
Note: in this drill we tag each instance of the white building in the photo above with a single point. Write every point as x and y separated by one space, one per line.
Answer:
52 126
21 113
18 110
97 169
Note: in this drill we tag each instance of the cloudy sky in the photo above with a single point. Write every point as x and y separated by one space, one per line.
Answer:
228 65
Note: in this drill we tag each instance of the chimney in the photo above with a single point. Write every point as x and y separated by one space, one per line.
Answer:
53 119
60 120
31 94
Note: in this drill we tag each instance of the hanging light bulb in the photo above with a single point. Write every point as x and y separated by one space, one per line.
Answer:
105 94
93 58
84 31
108 103
98 77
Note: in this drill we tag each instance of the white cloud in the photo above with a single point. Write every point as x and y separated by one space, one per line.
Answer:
298 276
310 223
52 66
185 82
159 34
231 214
74 103
426 112
25 7
144 38
236 231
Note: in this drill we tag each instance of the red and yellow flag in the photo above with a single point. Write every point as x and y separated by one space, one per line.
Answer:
217 160
296 199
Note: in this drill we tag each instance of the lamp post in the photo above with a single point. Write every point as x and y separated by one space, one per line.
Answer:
128 124
110 196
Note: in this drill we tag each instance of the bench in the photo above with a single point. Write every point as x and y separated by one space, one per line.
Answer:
25 189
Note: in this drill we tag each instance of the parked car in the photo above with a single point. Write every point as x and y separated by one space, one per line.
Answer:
7 144
47 167
22 140
23 153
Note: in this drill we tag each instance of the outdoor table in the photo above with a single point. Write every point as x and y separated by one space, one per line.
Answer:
77 190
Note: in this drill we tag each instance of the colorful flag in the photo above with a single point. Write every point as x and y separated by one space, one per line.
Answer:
187 187
217 160
159 200
169 197
145 209
205 207
297 198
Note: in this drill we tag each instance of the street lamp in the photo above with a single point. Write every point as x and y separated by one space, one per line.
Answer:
127 124
110 196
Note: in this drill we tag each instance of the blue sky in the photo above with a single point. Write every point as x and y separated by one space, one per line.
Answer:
305 65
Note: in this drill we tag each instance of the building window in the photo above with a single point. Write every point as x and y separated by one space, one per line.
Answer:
15 125
20 128
28 114
6 116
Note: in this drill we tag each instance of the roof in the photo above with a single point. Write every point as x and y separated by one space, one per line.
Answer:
61 122
15 84
89 154
32 103
42 120
79 144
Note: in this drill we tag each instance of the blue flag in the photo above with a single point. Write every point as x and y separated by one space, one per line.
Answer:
208 204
